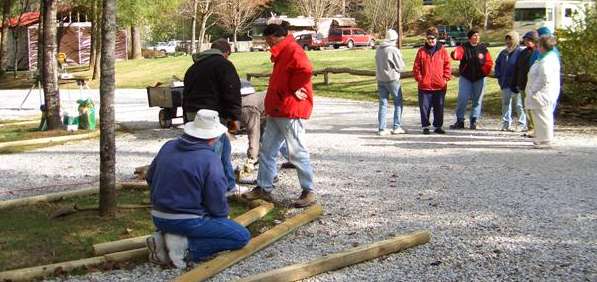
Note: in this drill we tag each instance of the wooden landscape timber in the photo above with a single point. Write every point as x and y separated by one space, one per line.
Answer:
19 123
141 171
223 261
36 272
327 71
47 198
343 259
139 242
53 197
49 140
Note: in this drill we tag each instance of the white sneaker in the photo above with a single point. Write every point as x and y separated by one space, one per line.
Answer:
398 130
158 253
177 249
237 190
383 132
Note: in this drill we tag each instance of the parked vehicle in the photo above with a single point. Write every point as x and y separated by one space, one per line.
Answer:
166 47
555 14
350 37
311 41
452 35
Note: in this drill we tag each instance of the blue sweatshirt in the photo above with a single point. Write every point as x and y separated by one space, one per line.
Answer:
504 66
186 177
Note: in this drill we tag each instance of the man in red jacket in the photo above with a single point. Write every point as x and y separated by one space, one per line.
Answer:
432 71
288 102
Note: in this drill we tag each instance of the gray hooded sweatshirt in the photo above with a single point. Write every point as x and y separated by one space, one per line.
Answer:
388 62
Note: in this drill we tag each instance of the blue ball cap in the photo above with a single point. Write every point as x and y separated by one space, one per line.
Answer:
544 31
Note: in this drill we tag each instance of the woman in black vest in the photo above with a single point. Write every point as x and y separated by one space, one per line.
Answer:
475 65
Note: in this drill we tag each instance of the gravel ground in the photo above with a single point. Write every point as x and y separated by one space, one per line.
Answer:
497 209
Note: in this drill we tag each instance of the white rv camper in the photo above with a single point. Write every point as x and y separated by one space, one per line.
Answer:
555 14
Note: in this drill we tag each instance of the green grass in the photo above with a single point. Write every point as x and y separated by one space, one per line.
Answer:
29 238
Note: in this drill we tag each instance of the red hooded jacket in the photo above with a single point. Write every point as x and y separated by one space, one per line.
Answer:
432 71
292 71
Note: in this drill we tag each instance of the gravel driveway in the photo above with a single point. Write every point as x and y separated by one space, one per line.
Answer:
497 209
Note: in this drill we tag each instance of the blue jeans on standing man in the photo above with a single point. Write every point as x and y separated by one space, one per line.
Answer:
429 99
507 97
470 90
276 131
387 89
206 235
223 148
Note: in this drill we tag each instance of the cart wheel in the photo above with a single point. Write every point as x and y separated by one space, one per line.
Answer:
165 119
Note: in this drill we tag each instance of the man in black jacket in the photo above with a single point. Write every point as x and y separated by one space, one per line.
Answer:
212 83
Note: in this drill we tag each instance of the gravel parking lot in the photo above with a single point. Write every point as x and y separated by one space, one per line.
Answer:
497 209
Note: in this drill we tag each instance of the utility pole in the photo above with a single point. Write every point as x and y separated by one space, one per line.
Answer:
399 24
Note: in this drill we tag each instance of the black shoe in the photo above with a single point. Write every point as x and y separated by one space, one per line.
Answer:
287 165
426 131
473 125
457 125
439 130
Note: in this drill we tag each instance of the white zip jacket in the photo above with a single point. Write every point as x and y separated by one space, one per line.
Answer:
543 87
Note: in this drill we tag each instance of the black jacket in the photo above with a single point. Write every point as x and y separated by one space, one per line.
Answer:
521 70
212 83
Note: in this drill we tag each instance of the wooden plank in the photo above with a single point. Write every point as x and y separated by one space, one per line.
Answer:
49 140
225 260
343 259
139 242
30 273
47 198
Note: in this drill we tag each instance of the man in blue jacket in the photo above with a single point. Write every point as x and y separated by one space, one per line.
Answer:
504 72
189 207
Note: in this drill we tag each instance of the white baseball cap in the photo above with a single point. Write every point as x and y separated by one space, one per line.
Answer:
205 126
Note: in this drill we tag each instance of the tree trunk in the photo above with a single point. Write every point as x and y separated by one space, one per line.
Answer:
50 66
194 28
97 45
234 38
399 23
40 41
136 43
485 14
3 43
107 202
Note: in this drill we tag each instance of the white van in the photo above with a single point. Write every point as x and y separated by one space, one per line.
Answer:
555 14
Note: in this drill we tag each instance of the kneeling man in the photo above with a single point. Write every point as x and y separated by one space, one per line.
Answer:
188 189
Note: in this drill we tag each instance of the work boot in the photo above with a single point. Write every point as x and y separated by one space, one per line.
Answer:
458 125
258 193
426 131
439 130
158 254
473 125
306 199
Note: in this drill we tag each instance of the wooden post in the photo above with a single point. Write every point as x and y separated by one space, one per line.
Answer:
342 259
49 140
139 242
30 273
221 262
326 78
47 198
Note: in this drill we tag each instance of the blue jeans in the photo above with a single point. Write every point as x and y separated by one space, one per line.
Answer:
432 99
470 90
387 89
276 131
507 97
206 236
223 148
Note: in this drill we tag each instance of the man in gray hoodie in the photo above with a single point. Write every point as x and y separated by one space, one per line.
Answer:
389 63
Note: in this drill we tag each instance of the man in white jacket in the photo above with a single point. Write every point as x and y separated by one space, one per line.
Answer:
389 63
543 89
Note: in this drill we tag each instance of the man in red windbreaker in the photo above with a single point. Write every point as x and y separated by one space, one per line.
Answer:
288 102
432 71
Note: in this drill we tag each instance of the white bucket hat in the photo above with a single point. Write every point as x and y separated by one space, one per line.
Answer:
391 35
205 126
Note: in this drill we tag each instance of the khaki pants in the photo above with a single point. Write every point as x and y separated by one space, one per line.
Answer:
543 120
251 118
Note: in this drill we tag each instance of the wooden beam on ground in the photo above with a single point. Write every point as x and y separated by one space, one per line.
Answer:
47 198
19 123
36 272
139 242
223 261
134 185
343 259
49 140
